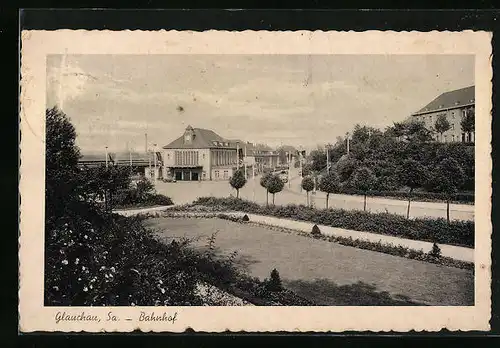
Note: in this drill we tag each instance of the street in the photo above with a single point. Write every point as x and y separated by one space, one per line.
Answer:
187 192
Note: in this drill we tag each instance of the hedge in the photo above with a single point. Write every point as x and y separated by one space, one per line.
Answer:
426 229
463 197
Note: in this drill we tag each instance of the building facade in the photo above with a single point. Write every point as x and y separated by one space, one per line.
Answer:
201 154
454 105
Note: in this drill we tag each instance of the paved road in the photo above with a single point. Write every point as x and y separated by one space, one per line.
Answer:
186 192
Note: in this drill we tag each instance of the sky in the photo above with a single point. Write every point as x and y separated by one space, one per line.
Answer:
298 100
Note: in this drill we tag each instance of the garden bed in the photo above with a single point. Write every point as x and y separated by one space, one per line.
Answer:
460 233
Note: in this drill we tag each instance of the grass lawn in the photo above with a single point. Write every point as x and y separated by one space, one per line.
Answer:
327 273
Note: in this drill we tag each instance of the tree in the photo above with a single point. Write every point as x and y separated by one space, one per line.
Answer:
447 178
364 180
318 160
264 183
308 185
442 125
413 175
274 282
330 183
275 185
345 167
237 181
105 182
62 176
468 122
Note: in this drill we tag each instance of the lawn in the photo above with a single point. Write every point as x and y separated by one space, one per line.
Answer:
327 273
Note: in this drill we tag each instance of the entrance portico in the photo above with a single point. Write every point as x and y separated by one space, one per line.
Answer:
182 173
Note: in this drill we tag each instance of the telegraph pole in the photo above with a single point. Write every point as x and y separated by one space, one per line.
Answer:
106 152
327 161
245 161
347 137
154 158
238 155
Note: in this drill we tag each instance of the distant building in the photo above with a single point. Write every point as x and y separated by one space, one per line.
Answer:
265 157
141 164
288 153
454 105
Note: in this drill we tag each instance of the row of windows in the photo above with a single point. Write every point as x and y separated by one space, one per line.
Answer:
186 158
221 158
433 118
217 174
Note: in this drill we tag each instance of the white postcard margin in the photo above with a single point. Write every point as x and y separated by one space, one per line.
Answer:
36 45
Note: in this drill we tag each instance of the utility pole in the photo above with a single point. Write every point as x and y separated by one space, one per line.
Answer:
327 161
253 179
106 154
154 158
288 160
238 155
146 142
347 137
245 161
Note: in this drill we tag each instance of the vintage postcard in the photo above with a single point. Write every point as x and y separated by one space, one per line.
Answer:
255 181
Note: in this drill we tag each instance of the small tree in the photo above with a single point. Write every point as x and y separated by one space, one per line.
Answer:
237 181
435 251
413 175
274 282
330 184
468 122
308 185
275 185
364 180
264 183
442 125
447 178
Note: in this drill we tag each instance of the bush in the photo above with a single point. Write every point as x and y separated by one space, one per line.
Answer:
274 282
315 231
425 229
435 251
245 218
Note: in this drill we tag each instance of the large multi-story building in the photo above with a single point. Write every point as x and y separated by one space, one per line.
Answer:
454 105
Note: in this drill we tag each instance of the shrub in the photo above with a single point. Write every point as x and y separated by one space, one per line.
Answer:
315 231
274 282
245 218
435 251
425 229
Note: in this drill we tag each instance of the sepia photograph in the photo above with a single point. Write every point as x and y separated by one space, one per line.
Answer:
243 180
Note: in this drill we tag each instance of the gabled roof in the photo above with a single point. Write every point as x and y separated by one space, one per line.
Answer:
451 99
202 139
